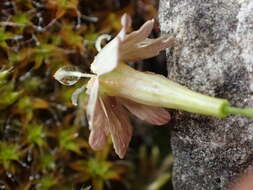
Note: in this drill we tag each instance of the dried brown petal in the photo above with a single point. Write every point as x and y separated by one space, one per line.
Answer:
145 49
141 34
96 117
119 125
153 115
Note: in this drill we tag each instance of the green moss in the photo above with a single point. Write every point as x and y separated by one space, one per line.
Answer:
99 168
8 95
36 135
21 18
47 161
46 183
67 139
44 141
8 153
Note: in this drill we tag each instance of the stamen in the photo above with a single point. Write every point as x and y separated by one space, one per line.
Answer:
100 39
74 74
76 95
86 75
69 75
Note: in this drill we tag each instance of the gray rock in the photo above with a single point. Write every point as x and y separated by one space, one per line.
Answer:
215 57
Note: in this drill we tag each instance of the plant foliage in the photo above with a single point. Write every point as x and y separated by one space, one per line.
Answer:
43 137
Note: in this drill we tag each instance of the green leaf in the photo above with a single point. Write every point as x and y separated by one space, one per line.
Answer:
8 153
46 183
32 83
91 37
3 77
25 104
15 57
71 37
99 168
8 96
21 18
43 52
47 161
4 36
36 135
67 139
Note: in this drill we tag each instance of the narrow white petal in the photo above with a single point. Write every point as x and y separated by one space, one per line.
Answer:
93 87
76 94
107 59
100 39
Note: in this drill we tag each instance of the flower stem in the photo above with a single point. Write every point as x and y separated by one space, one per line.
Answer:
242 111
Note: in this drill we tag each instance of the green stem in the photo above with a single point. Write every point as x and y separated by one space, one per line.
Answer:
242 111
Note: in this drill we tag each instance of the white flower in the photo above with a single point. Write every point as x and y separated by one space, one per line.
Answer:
106 111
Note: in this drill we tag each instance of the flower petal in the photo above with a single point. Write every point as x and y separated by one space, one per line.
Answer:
145 49
93 87
96 116
153 115
76 94
141 34
107 59
119 125
126 22
99 40
98 138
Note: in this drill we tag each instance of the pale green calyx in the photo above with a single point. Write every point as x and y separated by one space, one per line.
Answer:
156 90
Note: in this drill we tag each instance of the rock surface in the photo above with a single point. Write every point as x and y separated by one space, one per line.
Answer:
214 56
